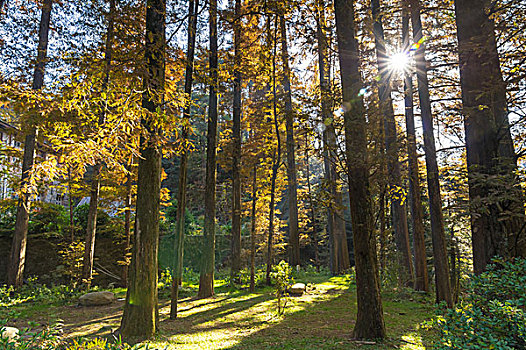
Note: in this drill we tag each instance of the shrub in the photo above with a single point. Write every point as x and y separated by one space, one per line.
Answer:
282 278
491 315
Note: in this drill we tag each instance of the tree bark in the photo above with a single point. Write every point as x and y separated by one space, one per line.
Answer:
496 199
294 238
140 316
15 271
401 230
206 281
311 204
253 231
177 270
236 159
369 320
338 236
417 211
276 159
442 281
89 246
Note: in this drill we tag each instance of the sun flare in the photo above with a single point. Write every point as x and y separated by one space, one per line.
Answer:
399 61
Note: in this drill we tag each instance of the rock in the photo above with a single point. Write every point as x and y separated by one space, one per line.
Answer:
10 333
297 289
97 298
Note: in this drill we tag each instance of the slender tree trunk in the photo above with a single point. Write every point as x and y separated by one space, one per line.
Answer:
177 272
206 281
236 159
71 228
311 204
89 246
140 316
369 320
442 281
15 271
417 211
338 236
391 145
383 233
294 238
253 231
496 199
127 224
276 158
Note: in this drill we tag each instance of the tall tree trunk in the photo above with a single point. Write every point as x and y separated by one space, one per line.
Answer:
311 204
391 145
236 159
89 246
383 233
253 231
369 320
15 271
443 287
206 281
276 159
70 200
417 211
193 7
338 236
294 238
496 200
127 223
140 316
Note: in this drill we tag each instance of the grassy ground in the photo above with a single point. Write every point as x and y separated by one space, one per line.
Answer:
323 318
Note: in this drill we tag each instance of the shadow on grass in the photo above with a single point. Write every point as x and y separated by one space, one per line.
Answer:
328 324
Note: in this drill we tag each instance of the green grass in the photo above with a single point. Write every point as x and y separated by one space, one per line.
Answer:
323 318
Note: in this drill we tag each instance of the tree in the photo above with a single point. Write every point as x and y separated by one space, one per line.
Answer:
417 210
369 319
206 280
496 199
294 239
236 159
193 7
442 280
87 271
15 269
391 146
140 316
336 223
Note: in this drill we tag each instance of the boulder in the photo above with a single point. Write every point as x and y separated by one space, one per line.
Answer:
297 289
97 299
10 333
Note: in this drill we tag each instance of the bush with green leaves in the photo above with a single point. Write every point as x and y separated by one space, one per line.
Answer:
281 277
492 313
32 291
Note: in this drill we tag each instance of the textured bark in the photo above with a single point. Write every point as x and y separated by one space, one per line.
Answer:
236 159
193 6
253 231
496 200
338 236
401 230
140 316
91 230
276 160
369 319
294 238
442 282
15 270
417 211
206 280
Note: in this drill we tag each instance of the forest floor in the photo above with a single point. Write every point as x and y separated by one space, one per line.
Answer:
322 318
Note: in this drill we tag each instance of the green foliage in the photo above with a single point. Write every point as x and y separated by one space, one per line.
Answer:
32 291
107 226
48 220
7 216
72 256
491 316
282 278
45 339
